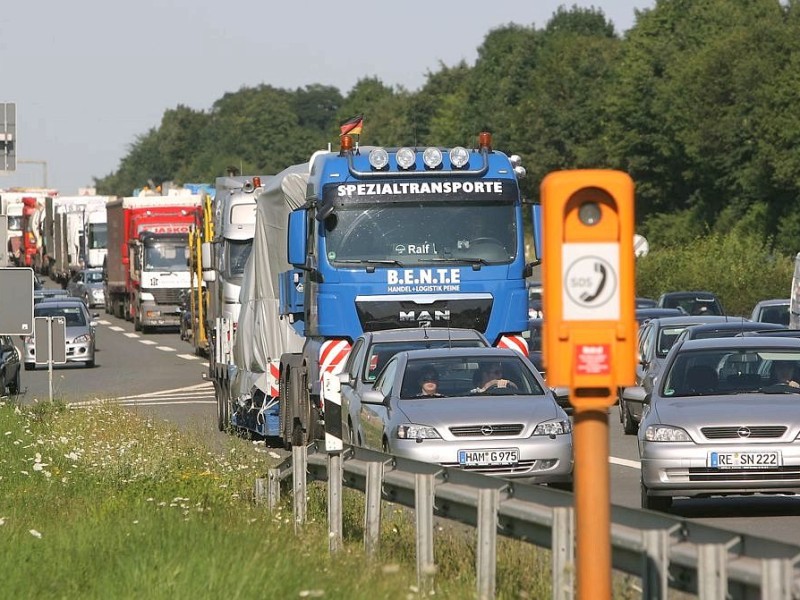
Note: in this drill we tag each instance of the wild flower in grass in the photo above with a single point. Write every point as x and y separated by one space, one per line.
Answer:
2 521
312 593
35 533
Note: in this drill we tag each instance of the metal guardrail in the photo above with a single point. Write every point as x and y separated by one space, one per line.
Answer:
665 552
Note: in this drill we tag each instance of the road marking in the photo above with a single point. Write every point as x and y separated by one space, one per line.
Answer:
104 322
132 335
188 356
202 393
148 342
624 462
116 328
165 348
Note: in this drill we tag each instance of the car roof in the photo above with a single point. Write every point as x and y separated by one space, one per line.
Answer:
781 332
60 303
741 323
422 333
689 294
483 353
691 320
774 302
740 342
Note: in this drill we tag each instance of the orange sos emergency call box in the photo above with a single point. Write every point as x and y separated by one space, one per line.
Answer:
588 297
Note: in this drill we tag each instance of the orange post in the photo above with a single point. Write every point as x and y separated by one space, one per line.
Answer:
589 338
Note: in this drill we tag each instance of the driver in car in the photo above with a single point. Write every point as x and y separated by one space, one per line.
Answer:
492 376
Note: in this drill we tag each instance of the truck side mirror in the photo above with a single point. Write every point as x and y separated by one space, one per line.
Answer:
298 236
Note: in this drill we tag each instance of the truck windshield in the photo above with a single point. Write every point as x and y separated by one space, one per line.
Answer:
14 223
236 254
97 236
165 257
417 233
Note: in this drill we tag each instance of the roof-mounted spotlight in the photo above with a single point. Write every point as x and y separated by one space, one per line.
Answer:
459 157
520 172
515 160
432 157
406 158
378 158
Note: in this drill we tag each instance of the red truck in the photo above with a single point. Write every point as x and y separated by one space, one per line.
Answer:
146 272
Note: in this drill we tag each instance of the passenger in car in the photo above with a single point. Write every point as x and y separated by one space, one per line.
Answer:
429 384
783 372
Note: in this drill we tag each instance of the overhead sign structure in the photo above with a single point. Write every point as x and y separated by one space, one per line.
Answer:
8 136
16 301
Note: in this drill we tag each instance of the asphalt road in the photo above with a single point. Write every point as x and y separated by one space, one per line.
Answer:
159 374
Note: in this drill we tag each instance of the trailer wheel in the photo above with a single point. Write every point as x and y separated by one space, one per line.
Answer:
223 407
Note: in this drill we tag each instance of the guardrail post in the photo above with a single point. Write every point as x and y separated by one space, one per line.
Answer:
776 578
372 510
260 488
563 553
299 466
712 571
486 559
273 488
423 506
655 564
334 501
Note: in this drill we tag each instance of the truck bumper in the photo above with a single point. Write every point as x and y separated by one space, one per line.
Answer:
160 315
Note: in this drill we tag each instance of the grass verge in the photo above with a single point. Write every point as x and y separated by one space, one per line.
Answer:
102 503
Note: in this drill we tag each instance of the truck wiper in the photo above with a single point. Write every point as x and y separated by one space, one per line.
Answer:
465 259
369 261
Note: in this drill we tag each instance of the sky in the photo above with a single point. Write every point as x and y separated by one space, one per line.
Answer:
89 76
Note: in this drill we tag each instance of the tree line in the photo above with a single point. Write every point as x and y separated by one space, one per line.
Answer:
698 102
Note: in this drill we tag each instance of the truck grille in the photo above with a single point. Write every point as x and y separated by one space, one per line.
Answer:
167 296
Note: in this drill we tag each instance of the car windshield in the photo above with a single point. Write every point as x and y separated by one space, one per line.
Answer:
94 277
667 338
726 371
73 315
380 353
694 305
774 314
482 376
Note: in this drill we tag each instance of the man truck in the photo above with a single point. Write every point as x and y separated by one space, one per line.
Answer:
366 240
146 269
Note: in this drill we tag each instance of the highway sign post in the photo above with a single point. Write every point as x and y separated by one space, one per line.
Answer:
50 344
589 338
16 300
8 137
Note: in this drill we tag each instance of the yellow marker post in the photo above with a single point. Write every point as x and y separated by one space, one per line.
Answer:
589 337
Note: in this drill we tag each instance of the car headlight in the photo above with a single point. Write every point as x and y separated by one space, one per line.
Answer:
146 297
666 433
417 432
553 428
82 338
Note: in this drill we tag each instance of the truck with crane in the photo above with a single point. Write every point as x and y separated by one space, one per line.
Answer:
369 239
146 269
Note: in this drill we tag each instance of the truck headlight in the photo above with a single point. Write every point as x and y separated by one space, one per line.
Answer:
146 297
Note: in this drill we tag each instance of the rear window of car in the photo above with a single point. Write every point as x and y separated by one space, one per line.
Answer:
667 338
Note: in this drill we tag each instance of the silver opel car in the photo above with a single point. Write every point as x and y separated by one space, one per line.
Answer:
724 419
80 331
479 409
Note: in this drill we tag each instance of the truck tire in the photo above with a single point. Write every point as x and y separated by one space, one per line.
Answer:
223 407
13 386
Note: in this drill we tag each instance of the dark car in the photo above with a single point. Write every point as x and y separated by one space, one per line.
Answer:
656 338
534 339
534 300
731 328
645 314
692 303
9 366
772 311
646 303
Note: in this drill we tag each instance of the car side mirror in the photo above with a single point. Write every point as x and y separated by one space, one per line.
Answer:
373 397
636 394
344 379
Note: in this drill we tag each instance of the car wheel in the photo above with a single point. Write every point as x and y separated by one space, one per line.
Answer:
629 426
658 503
30 366
89 364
